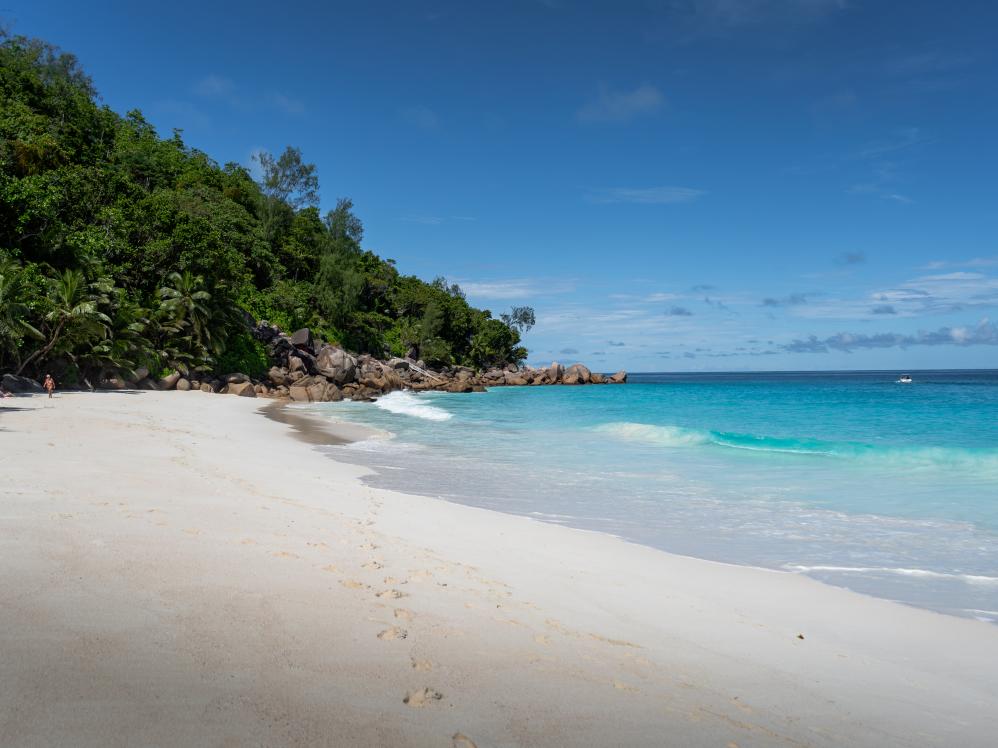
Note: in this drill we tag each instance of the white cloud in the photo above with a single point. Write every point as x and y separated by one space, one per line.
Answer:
976 262
426 220
518 288
940 293
621 106
902 139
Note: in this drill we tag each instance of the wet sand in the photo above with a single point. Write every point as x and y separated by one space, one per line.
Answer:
315 430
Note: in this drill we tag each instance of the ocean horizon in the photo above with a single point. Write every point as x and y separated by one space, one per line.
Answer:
849 477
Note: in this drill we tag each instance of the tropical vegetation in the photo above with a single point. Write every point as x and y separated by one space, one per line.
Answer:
121 249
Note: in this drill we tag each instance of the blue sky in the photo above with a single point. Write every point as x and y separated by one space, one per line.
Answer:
672 185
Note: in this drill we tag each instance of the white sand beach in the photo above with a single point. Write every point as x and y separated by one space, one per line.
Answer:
178 570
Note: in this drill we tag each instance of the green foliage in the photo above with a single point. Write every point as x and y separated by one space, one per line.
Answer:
243 354
120 248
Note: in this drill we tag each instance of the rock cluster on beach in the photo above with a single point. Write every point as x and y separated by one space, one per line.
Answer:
305 369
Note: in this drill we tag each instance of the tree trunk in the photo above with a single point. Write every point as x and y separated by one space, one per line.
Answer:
41 351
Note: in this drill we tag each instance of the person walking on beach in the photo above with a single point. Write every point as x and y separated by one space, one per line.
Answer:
49 384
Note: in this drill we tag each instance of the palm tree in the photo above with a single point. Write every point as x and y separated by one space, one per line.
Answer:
126 345
73 311
187 303
13 311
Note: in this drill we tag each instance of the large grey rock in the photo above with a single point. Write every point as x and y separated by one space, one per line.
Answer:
280 348
183 385
576 374
364 394
337 365
555 372
513 379
265 332
169 381
308 363
303 339
243 389
298 394
399 363
205 387
13 383
277 375
236 378
141 373
146 384
619 378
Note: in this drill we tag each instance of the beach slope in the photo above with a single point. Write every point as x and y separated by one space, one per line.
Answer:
177 570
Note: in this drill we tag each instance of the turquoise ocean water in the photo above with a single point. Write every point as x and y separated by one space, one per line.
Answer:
851 478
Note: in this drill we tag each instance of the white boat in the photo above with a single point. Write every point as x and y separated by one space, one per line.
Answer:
905 379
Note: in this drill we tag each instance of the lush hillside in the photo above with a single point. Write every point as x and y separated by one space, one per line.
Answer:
120 248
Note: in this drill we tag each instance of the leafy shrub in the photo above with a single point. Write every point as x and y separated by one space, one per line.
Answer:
243 354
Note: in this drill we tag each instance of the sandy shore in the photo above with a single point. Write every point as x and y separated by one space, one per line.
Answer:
176 570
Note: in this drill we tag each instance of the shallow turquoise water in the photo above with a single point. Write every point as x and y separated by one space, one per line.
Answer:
852 478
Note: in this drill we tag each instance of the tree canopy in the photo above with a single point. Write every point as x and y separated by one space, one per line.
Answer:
121 249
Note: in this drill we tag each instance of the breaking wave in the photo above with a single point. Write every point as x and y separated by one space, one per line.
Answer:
407 404
923 573
978 461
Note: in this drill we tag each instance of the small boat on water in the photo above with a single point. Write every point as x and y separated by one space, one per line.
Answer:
905 379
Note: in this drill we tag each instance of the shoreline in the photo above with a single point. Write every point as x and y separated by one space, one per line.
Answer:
314 430
388 473
531 633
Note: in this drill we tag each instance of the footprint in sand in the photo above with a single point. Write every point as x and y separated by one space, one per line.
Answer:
462 741
393 633
283 554
390 594
422 697
421 665
404 615
352 584
331 567
542 639
621 686
373 565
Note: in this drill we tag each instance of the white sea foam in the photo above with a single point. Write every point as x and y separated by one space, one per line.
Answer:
980 462
669 436
407 404
924 573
